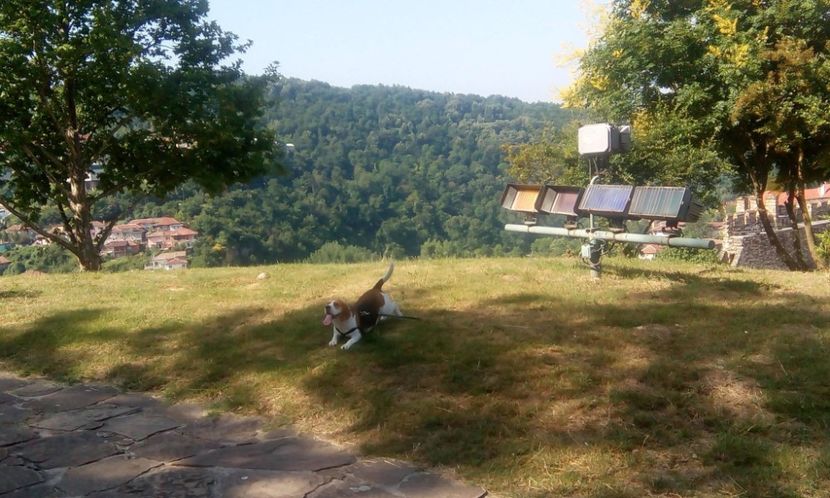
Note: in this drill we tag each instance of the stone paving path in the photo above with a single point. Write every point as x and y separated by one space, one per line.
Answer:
93 440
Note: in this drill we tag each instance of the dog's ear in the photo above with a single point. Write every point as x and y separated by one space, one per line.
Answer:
345 310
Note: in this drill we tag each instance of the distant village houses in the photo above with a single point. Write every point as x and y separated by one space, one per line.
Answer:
143 234
165 234
173 260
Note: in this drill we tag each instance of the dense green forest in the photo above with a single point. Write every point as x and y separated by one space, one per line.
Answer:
373 169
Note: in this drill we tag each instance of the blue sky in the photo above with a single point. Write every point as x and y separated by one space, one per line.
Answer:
462 46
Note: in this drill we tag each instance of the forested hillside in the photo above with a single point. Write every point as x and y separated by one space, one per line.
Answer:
389 169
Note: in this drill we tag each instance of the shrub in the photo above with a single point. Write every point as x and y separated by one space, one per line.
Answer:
334 252
135 262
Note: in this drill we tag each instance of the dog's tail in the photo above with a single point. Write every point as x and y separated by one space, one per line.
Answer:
386 276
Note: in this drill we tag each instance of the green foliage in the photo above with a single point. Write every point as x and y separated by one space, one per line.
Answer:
823 239
334 252
555 246
384 168
701 256
553 158
50 259
142 90
126 263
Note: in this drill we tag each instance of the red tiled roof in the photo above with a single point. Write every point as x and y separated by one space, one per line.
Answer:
810 194
162 221
4 260
650 249
816 193
167 234
127 227
167 256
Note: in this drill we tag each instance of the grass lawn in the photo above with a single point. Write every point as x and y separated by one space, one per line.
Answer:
524 376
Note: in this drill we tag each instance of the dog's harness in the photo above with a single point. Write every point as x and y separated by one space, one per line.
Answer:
348 332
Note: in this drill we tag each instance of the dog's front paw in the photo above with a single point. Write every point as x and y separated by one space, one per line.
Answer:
333 342
345 346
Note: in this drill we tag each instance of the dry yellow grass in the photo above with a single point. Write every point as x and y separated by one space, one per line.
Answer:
524 375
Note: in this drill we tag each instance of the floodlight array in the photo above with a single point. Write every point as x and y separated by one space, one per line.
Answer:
617 202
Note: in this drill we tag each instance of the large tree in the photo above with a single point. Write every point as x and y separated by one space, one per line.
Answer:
141 93
745 79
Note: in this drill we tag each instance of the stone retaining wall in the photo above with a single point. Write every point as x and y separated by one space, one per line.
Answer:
747 245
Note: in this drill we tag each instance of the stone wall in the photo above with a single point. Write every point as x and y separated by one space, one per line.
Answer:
745 244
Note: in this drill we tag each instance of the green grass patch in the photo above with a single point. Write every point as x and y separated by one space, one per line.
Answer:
665 379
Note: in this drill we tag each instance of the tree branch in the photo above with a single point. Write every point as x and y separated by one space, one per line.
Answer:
66 225
60 185
29 223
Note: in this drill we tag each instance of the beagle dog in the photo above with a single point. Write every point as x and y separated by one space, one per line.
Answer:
352 322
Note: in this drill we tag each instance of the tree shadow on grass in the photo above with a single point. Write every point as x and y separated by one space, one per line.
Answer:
18 294
695 389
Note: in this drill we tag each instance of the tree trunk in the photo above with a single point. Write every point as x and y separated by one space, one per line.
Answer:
88 256
790 205
809 235
770 231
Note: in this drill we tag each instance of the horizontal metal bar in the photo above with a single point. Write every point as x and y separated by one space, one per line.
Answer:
635 238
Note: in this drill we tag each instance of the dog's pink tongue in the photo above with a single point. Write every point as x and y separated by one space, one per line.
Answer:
327 320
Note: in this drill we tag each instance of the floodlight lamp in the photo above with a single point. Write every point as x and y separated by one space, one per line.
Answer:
561 200
610 201
670 204
522 199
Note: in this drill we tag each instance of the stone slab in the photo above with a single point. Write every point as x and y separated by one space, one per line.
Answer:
85 417
227 429
427 485
8 399
388 473
351 487
104 474
282 454
36 388
15 433
134 400
13 478
10 414
140 425
65 450
9 382
179 482
266 484
37 491
73 397
171 446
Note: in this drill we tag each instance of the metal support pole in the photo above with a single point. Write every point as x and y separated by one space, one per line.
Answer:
636 238
594 248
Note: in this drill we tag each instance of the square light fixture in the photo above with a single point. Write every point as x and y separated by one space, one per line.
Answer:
611 201
670 204
556 199
520 198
